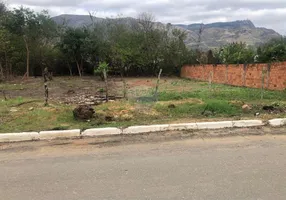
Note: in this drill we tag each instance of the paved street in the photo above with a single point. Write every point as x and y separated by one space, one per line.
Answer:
234 168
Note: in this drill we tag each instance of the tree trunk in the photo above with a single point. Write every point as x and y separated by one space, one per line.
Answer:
1 73
10 68
28 57
46 93
4 95
6 65
106 84
157 85
78 68
70 69
81 66
124 86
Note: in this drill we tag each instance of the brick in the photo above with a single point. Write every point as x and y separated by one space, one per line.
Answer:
234 75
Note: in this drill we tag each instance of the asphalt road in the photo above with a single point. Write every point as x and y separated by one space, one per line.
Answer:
234 168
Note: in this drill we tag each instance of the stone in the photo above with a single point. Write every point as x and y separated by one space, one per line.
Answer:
83 112
127 117
70 92
31 108
246 108
208 113
268 108
109 118
171 106
13 110
89 103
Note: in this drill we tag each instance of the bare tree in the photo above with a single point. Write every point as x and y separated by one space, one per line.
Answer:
200 33
146 21
200 55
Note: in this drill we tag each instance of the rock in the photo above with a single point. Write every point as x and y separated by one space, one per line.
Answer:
268 108
83 112
273 109
13 110
89 103
109 118
237 103
31 108
208 113
171 106
71 92
246 107
127 117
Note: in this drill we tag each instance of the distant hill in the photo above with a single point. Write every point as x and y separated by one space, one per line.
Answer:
217 34
214 35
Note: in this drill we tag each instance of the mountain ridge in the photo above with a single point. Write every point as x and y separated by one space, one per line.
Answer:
213 35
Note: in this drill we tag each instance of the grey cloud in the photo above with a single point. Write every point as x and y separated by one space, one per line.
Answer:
43 3
261 12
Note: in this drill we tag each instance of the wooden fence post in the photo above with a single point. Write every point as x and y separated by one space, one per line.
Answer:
106 84
157 85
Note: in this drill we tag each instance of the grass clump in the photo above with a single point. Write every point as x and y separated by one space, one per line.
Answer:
221 108
208 108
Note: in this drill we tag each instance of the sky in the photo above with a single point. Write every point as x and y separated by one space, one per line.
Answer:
263 13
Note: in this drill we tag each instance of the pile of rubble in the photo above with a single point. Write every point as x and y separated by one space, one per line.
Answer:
86 99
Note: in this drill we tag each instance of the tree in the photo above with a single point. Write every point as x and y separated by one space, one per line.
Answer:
211 58
273 51
236 53
72 45
23 22
44 43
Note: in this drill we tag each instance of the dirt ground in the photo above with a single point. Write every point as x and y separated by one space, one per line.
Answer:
63 89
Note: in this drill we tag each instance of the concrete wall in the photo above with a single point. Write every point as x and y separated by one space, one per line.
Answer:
251 75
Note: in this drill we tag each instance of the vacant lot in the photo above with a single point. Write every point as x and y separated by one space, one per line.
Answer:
180 100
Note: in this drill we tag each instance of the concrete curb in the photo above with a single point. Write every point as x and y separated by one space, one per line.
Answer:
247 123
277 122
59 134
182 127
16 137
101 132
44 135
146 129
215 125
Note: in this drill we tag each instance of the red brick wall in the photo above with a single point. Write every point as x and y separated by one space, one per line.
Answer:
250 75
